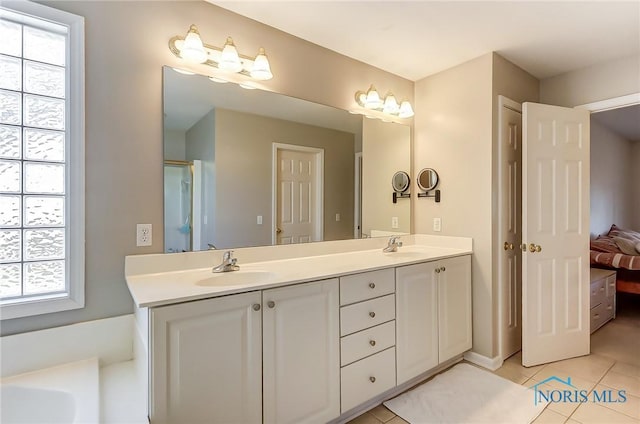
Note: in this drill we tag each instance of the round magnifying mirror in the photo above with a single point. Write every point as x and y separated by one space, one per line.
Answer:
400 182
427 179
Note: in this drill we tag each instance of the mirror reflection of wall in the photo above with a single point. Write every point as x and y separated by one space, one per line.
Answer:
232 132
385 149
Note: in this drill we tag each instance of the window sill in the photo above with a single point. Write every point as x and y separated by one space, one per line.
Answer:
40 305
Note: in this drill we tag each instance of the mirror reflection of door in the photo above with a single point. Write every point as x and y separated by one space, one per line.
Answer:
298 200
178 195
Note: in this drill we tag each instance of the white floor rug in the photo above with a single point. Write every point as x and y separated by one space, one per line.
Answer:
466 394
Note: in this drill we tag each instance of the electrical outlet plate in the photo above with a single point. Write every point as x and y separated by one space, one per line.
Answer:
437 224
394 222
144 235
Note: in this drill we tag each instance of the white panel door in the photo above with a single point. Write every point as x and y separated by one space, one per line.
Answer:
510 221
206 361
416 320
454 307
301 353
296 197
555 233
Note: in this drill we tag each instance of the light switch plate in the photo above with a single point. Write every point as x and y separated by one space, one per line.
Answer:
259 220
437 224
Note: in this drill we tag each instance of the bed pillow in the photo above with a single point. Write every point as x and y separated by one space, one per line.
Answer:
627 246
604 244
616 231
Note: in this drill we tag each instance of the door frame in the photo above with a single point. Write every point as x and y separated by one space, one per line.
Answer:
357 197
503 102
318 228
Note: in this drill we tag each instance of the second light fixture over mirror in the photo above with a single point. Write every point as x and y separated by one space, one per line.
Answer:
193 50
388 105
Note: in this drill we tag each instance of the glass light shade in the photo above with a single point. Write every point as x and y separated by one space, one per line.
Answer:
218 80
229 59
406 111
390 105
373 100
261 69
192 48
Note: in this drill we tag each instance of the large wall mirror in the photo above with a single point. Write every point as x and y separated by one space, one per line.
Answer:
252 168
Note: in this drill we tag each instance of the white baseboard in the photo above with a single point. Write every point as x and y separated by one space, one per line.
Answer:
110 340
484 361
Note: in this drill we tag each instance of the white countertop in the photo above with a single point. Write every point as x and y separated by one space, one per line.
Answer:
173 286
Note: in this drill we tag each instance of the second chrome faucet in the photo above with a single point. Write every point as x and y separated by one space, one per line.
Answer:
393 244
229 263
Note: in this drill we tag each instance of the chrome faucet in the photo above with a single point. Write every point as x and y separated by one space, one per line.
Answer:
229 263
393 244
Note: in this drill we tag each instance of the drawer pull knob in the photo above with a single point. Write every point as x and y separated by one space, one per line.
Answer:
372 379
372 342
437 270
443 269
596 316
372 285
256 306
271 304
372 314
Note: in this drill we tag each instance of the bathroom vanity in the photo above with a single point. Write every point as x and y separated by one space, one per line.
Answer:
301 336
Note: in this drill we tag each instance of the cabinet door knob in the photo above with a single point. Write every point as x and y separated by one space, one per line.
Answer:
256 306
372 342
372 379
372 314
271 304
372 285
443 269
437 270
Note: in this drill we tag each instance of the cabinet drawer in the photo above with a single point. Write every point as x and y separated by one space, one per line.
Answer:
610 285
609 307
367 314
368 378
359 287
367 342
598 292
598 316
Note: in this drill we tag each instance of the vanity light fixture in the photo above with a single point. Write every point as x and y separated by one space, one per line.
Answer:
388 105
227 59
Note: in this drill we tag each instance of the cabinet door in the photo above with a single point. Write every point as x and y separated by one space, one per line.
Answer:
416 320
301 353
454 307
206 361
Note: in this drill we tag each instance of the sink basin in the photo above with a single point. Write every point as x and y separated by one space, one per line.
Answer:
236 278
413 251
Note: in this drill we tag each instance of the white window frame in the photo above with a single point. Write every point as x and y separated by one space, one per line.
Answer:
74 169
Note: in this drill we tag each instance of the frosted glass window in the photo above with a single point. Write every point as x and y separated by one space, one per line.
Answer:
43 244
44 178
10 73
10 142
41 160
11 36
44 46
43 79
10 176
44 145
43 112
10 211
10 107
44 277
10 280
43 211
10 245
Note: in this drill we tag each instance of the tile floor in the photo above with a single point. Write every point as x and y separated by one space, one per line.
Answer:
614 363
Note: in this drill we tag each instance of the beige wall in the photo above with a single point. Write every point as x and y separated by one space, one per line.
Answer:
126 47
386 149
611 180
599 82
244 145
453 136
635 187
455 133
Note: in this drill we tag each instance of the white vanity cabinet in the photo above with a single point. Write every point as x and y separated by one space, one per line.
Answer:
236 358
454 307
433 322
206 361
301 353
